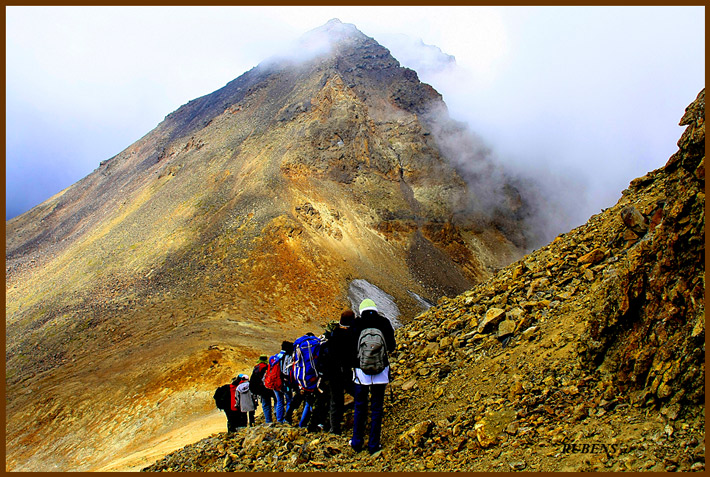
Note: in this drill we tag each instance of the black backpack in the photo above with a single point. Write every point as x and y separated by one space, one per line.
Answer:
327 361
222 398
256 381
333 355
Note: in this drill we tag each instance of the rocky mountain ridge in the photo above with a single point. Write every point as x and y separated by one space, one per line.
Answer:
586 355
240 220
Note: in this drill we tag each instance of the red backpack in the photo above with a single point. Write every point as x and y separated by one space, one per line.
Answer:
272 377
233 400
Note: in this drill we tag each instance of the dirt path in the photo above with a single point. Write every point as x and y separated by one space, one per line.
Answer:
198 428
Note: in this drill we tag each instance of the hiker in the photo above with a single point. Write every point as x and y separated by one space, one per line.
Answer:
337 371
246 399
296 401
295 396
371 373
306 413
224 397
315 410
280 384
308 378
256 385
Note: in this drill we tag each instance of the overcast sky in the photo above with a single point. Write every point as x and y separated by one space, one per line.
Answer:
587 96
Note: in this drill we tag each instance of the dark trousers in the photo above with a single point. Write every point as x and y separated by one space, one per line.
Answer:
235 419
336 405
318 403
376 395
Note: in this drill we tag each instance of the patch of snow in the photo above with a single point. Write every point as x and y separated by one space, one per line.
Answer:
361 289
423 302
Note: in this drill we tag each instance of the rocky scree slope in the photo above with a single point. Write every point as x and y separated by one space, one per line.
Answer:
240 220
585 355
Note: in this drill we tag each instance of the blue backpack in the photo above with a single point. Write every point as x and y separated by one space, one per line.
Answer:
305 371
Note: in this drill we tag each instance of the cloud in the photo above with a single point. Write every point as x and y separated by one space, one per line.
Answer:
314 43
83 83
426 60
581 96
495 183
578 102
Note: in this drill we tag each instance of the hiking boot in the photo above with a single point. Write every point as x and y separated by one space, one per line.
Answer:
375 450
356 449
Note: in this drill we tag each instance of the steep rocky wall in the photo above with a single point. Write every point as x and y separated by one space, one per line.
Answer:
647 322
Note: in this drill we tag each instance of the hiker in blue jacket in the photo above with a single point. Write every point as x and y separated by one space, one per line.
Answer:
307 374
370 373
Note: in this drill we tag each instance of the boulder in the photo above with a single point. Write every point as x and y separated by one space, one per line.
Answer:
493 317
506 328
430 350
492 425
514 314
413 437
634 220
253 437
593 257
446 342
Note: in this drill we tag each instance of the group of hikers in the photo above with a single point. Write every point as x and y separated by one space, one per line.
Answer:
351 357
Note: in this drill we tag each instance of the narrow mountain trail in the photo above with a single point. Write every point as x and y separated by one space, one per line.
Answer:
588 354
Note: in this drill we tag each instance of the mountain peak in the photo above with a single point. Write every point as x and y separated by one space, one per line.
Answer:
335 25
328 35
331 38
364 64
318 163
